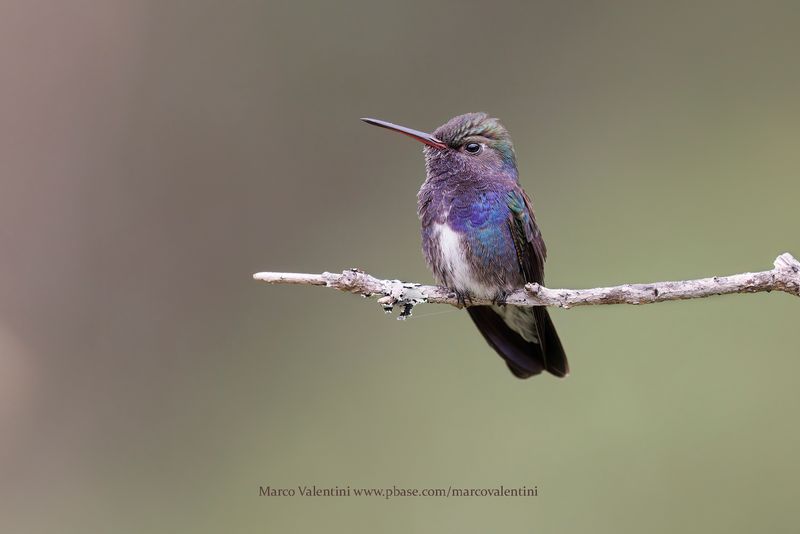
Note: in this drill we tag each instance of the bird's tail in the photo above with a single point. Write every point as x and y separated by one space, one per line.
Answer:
524 337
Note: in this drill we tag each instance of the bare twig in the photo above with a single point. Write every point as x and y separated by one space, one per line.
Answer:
784 277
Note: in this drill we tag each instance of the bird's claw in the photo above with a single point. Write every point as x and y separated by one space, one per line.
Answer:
500 298
462 298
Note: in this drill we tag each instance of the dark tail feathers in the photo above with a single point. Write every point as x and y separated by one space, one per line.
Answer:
524 358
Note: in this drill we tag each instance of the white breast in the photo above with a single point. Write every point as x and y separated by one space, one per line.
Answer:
455 262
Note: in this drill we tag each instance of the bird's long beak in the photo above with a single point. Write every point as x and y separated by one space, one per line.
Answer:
422 137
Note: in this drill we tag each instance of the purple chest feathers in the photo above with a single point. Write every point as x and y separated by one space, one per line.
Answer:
467 242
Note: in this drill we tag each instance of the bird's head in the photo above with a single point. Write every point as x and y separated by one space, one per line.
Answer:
470 144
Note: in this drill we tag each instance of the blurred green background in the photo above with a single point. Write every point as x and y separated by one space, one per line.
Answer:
156 154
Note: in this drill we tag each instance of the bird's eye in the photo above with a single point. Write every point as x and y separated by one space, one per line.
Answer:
473 148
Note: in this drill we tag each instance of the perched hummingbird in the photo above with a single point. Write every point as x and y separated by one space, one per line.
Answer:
480 238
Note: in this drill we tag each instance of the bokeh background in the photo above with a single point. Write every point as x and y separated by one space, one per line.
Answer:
157 153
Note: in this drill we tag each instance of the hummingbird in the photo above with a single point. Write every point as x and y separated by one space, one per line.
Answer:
480 238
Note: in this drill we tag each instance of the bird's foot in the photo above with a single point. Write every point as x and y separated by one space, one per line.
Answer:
500 298
463 298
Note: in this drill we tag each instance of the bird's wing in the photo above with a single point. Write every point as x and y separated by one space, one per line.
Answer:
528 241
531 254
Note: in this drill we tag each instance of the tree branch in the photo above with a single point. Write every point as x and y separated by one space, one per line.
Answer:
784 277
